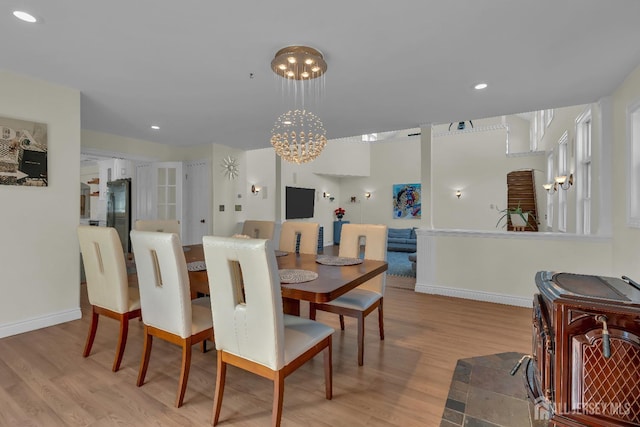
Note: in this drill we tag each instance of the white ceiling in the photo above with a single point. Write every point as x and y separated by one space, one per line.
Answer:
185 65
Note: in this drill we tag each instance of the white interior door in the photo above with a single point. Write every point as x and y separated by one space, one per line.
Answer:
143 193
197 202
159 191
168 200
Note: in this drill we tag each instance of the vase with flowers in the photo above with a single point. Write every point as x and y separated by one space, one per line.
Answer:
339 212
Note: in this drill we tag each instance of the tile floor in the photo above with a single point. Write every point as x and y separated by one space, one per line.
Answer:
484 394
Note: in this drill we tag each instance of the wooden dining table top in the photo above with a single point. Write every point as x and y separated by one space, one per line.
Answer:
332 281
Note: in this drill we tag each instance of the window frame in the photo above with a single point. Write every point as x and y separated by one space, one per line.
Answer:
563 169
633 164
584 177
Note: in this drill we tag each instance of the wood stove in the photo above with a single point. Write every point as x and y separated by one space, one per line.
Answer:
585 366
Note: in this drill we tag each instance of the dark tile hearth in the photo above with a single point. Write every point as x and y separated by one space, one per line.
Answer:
483 394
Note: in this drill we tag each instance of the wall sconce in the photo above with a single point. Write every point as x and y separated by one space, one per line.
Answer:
561 181
458 193
255 190
367 195
328 196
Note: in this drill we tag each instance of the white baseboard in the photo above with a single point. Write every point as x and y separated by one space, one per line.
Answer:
40 322
475 295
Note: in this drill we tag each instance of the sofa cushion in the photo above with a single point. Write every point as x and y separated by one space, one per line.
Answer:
399 233
413 233
403 241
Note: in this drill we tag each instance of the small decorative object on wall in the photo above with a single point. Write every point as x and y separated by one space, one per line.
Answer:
230 167
407 202
339 212
23 153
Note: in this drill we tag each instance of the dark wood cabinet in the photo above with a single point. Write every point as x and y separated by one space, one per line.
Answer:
576 377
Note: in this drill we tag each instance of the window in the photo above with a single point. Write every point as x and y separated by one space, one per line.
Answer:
583 146
536 130
633 165
540 120
550 178
548 115
562 170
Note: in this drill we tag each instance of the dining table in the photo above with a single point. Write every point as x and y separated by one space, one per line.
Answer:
332 280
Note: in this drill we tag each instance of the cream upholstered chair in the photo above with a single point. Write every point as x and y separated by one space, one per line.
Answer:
161 225
308 232
107 284
167 309
253 333
367 297
259 229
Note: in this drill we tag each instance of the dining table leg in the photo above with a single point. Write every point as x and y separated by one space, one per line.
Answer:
291 306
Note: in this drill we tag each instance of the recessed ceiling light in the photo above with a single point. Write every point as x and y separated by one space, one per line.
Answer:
480 86
24 16
155 127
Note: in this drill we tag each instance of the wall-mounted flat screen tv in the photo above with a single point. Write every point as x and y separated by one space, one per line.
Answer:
299 202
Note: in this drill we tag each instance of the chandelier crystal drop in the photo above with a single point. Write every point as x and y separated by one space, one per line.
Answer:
298 136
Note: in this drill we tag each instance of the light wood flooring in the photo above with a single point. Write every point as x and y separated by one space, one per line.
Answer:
45 381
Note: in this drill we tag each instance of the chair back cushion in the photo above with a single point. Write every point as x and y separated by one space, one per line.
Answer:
259 229
308 232
104 267
251 327
375 248
163 278
161 225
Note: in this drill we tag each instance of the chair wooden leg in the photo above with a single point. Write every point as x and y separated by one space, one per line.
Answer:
278 395
342 322
360 339
328 371
220 379
146 354
92 332
122 342
184 371
381 320
312 311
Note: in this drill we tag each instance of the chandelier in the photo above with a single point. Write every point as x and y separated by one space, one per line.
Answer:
298 136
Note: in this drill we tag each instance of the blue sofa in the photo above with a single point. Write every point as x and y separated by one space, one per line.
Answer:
402 239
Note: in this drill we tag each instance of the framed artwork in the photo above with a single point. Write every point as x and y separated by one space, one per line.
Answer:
23 153
407 201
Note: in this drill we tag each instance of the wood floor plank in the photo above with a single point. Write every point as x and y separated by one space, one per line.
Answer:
45 381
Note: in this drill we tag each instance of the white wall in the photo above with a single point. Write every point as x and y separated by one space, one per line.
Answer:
39 254
395 161
476 164
343 157
228 192
261 172
626 248
501 266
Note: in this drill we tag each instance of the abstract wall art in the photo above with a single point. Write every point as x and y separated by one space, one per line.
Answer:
407 201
